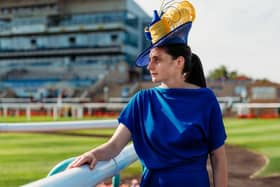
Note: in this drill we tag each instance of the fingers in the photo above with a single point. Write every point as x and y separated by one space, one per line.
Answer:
92 164
74 163
87 158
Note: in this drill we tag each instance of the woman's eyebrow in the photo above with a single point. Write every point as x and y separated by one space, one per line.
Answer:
154 58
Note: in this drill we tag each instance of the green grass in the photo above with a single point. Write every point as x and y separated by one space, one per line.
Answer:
259 135
25 157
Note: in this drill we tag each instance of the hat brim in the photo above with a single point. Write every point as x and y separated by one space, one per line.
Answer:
177 36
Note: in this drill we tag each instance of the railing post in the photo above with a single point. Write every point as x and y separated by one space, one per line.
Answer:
116 180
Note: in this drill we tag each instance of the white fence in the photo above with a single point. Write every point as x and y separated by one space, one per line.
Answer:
243 108
55 110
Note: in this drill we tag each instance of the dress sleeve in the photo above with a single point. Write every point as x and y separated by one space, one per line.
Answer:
217 133
129 116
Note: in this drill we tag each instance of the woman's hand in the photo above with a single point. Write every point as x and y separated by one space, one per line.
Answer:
86 158
105 151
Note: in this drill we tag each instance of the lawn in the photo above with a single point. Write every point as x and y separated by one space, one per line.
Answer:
259 135
25 157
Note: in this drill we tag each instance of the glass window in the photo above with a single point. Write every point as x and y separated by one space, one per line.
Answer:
107 17
268 92
240 90
131 39
132 20
72 40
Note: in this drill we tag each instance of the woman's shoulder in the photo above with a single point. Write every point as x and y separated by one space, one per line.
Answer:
200 92
209 93
143 92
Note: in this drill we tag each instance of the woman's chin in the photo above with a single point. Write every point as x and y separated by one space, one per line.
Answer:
154 80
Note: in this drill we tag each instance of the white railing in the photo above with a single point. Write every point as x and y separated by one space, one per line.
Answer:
45 100
244 108
257 105
55 109
55 126
85 177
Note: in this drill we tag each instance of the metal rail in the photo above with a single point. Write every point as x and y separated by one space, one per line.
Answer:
85 177
55 126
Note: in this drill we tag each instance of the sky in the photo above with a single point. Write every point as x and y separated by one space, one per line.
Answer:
242 35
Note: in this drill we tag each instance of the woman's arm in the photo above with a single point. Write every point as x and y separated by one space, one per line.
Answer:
219 167
105 151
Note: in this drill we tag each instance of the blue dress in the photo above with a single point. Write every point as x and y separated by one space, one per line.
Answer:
173 131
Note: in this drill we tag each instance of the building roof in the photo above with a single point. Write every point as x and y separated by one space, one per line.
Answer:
11 8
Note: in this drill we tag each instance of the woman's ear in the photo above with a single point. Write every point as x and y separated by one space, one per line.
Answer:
180 61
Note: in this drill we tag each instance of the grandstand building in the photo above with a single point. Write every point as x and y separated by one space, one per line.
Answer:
48 45
264 92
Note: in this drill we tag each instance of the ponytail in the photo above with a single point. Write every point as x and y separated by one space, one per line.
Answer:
193 70
196 73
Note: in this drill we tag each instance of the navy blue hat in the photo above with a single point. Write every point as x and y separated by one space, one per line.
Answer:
172 27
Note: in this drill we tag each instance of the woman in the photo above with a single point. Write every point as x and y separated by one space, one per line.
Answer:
174 126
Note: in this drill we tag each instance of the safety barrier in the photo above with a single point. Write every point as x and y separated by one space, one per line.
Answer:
55 126
85 177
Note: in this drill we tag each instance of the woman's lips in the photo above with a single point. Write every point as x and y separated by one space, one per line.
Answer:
153 74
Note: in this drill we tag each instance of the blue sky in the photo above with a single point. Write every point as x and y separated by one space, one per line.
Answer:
242 35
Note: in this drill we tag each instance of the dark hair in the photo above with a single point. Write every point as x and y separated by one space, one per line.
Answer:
193 66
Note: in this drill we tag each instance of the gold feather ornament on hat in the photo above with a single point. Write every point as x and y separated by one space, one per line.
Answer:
170 25
173 14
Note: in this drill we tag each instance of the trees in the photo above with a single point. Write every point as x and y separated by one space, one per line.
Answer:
222 73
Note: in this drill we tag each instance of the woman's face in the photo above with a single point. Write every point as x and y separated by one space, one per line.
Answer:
162 66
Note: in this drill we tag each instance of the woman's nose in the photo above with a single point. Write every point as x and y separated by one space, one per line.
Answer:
149 66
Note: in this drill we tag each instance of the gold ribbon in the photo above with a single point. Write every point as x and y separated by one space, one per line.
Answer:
159 29
176 15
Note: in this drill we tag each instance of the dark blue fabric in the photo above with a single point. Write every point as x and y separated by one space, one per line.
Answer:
174 128
176 177
177 36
